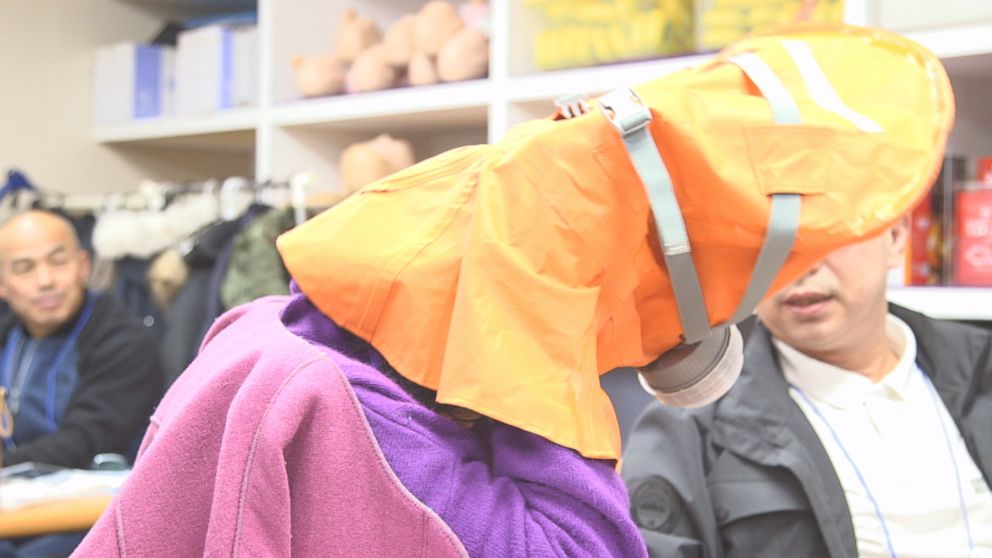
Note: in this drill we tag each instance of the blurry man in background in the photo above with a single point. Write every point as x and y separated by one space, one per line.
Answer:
81 375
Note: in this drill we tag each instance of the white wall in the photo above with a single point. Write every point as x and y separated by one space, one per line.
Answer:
906 15
46 54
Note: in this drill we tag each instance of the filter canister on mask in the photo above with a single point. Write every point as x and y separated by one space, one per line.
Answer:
696 375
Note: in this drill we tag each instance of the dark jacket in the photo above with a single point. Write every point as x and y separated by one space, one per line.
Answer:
748 477
105 388
197 304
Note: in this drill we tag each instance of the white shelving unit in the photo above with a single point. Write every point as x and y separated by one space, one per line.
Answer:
229 130
235 120
414 108
285 134
952 303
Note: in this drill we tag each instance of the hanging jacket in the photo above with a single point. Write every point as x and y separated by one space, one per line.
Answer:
130 286
255 268
191 313
751 477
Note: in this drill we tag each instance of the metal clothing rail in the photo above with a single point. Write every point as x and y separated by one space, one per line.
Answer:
234 195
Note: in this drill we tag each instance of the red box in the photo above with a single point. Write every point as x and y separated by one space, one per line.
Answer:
985 170
923 250
973 248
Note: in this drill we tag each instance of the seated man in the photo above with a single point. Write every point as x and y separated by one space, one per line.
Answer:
81 375
855 429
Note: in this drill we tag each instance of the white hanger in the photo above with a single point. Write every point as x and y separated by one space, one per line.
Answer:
231 202
298 185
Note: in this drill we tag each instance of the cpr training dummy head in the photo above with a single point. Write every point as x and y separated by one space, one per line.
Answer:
508 277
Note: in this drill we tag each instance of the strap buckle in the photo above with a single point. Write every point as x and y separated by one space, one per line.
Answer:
625 110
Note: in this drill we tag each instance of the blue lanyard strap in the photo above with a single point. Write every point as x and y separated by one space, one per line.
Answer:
954 461
9 349
67 345
857 471
52 374
935 399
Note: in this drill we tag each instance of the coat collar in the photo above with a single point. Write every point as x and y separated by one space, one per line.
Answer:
958 359
775 433
759 421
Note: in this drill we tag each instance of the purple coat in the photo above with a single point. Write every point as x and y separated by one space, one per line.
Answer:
261 448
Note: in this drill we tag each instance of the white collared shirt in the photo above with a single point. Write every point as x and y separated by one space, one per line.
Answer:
891 432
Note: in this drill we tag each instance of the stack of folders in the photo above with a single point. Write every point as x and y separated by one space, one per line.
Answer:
212 68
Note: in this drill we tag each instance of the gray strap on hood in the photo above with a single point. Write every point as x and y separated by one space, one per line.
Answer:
628 114
783 218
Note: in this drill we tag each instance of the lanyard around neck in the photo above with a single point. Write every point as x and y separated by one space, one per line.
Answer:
15 339
857 471
950 451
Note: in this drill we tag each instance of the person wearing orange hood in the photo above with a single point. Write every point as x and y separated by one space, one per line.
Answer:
431 387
